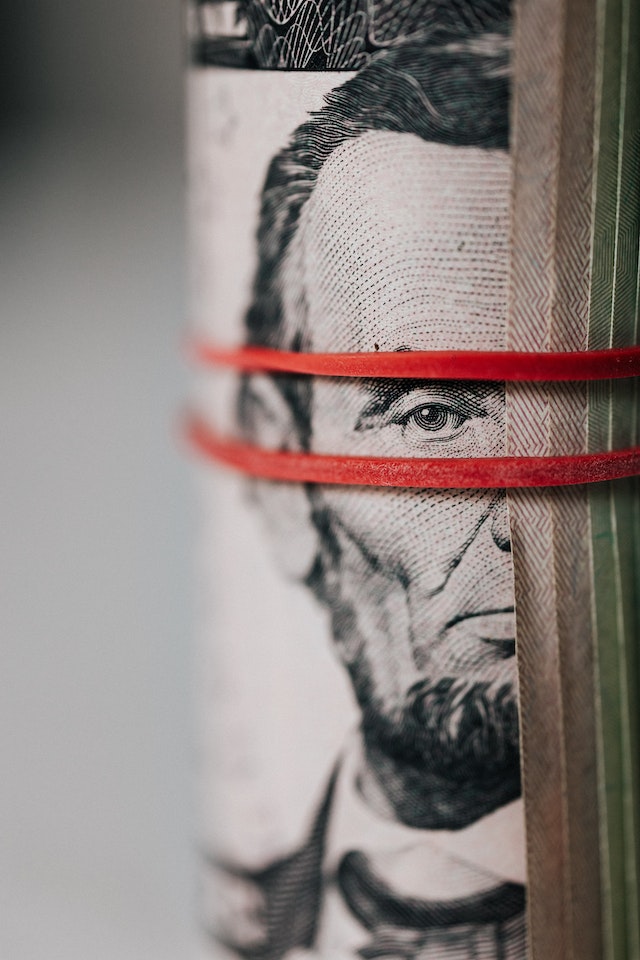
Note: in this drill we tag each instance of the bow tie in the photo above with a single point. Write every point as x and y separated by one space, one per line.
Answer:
488 925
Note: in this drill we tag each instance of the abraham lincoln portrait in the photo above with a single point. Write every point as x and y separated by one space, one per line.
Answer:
384 225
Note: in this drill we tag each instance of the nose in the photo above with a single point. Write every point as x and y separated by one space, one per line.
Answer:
500 525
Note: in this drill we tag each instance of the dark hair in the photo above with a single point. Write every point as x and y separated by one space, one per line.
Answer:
454 92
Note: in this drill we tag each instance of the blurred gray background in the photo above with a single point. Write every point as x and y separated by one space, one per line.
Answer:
96 827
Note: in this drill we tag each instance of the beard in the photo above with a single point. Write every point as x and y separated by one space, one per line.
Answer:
456 729
448 754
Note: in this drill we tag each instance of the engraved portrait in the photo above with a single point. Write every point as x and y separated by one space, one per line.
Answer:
384 226
319 35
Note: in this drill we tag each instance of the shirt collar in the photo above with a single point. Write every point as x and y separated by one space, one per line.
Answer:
490 851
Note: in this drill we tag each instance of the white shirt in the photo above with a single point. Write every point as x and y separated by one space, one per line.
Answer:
427 864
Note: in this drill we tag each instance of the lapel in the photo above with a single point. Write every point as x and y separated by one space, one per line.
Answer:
293 889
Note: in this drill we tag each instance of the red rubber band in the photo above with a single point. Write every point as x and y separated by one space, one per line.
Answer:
429 364
433 473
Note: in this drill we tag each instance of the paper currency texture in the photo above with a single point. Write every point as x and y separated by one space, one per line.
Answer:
378 664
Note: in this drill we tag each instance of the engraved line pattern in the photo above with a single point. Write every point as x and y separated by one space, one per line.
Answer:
317 35
549 306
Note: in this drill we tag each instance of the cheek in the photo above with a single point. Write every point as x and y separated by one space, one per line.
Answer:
414 535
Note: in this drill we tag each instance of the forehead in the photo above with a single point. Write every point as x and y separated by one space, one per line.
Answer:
404 244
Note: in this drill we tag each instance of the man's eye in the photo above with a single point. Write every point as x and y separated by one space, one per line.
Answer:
435 419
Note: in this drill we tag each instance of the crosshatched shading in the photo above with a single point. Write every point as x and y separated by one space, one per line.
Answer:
384 221
320 35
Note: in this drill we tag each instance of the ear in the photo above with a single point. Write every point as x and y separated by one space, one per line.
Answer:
285 507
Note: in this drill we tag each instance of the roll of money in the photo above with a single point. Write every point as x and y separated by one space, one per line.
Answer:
418 706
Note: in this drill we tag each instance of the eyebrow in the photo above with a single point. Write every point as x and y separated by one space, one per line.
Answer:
384 393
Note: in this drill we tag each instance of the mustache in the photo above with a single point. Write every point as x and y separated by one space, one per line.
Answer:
460 730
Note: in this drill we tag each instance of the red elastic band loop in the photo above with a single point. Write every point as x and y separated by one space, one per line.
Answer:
433 473
429 364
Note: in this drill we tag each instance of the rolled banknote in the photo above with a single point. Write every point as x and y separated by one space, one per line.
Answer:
408 699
